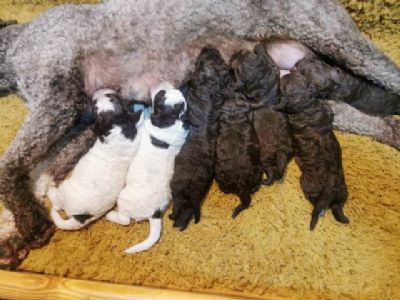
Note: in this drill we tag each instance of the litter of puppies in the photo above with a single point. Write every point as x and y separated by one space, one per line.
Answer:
233 122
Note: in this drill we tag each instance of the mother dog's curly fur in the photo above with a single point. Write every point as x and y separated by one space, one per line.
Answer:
152 41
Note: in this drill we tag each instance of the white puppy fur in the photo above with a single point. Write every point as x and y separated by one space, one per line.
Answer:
148 192
98 178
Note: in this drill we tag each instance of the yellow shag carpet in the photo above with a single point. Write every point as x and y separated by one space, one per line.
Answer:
268 249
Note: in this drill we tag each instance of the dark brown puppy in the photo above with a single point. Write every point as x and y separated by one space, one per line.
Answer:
317 151
333 83
258 80
237 169
194 165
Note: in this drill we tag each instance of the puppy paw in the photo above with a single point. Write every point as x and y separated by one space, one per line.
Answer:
118 218
182 216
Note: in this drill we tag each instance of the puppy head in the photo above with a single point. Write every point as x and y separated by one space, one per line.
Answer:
169 106
296 93
108 110
256 75
211 71
107 104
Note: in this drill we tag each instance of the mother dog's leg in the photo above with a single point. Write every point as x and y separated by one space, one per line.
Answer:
347 118
57 105
327 28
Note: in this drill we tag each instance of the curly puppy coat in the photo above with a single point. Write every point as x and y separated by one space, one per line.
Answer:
147 193
258 79
237 168
99 176
359 107
334 83
317 151
330 81
194 165
50 81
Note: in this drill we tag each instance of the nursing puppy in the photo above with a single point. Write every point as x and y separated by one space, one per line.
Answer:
258 80
99 176
50 82
317 151
331 82
147 193
334 83
237 169
194 165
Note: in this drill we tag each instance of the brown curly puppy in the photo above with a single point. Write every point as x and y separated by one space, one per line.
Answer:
237 168
317 151
258 80
194 165
334 83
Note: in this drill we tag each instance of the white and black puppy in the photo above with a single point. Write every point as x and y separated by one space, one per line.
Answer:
147 193
98 178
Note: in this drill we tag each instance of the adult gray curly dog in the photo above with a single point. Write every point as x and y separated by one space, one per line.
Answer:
142 43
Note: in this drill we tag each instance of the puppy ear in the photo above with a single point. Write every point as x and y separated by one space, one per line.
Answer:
158 101
159 97
118 102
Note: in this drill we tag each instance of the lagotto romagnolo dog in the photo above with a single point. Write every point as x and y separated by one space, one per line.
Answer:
329 81
194 165
237 165
49 79
147 193
317 151
258 80
100 175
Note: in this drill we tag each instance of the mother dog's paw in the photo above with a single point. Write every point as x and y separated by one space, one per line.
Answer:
12 251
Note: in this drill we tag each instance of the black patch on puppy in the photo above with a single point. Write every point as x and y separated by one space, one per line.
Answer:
157 214
128 123
164 115
194 165
121 116
82 218
158 143
317 151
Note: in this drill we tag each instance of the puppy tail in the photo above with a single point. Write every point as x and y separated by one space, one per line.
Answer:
65 224
154 236
76 222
